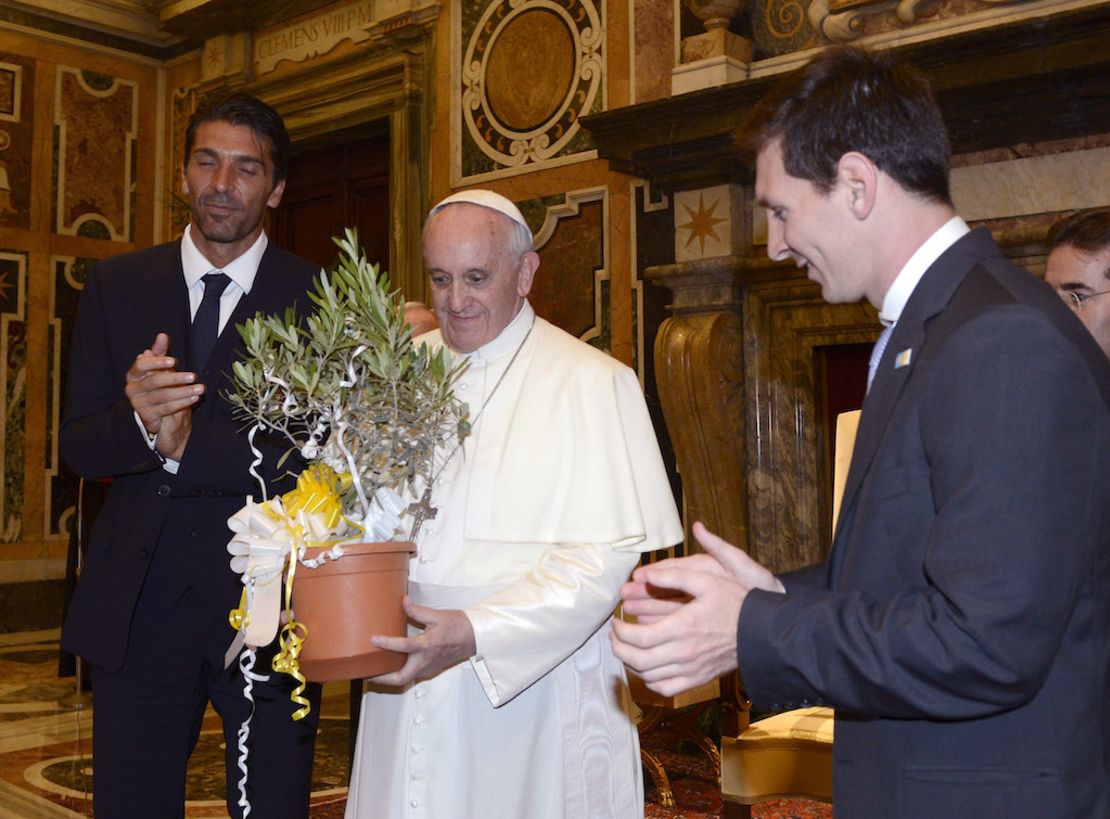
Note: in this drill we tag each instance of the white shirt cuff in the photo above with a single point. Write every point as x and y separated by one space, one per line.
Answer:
168 464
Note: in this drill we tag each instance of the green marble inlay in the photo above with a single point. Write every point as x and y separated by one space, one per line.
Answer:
94 229
97 81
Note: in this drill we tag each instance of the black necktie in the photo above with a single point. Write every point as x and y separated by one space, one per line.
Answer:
206 323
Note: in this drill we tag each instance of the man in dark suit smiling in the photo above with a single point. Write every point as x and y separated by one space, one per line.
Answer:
154 339
961 625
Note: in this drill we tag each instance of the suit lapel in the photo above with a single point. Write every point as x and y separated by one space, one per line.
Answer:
929 298
171 314
273 290
879 404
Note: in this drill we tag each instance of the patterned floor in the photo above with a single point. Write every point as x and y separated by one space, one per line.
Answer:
46 769
45 744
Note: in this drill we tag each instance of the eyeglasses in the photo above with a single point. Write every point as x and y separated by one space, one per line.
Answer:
1076 300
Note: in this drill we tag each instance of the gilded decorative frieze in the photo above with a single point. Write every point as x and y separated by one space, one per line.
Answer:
846 20
780 26
96 125
527 70
13 364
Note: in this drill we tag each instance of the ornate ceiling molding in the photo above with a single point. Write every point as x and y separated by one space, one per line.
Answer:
202 19
133 19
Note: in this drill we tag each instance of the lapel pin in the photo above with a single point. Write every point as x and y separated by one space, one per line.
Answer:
903 358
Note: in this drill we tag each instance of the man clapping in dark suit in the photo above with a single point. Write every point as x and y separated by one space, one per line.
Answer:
960 625
154 340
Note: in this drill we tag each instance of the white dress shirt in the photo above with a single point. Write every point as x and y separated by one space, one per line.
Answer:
196 266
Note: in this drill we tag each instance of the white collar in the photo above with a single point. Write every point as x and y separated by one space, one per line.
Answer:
894 302
241 270
510 338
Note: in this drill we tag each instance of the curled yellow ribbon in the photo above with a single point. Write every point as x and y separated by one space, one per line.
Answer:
239 617
309 513
291 639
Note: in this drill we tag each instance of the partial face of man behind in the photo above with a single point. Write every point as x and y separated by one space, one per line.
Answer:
420 318
229 181
1087 276
477 285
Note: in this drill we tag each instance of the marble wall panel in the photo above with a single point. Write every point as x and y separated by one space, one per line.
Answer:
17 79
653 49
95 139
571 287
711 222
68 279
653 245
1033 184
523 74
13 361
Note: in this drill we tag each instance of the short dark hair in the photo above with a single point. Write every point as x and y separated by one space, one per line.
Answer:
243 109
1087 231
848 99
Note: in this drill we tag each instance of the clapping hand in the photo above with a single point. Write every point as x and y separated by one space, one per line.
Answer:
688 611
162 396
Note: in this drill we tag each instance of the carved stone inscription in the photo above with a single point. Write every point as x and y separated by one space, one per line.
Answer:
316 35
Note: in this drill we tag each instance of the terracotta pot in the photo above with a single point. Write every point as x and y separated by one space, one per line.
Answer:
343 602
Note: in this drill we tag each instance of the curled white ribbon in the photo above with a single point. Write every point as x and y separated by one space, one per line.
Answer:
257 462
246 665
383 516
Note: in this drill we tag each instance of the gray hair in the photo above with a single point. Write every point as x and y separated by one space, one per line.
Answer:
520 237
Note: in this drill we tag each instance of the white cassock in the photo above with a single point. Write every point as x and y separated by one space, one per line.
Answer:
542 516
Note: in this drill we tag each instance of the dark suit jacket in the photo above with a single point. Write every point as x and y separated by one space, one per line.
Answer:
167 531
961 626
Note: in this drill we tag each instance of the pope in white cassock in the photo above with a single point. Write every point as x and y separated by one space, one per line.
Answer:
511 704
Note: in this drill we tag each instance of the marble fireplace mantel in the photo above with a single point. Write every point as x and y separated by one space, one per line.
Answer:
997 86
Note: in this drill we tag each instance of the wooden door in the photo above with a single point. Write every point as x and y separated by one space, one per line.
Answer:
329 188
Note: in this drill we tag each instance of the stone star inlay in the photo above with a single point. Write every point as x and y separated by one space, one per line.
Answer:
702 224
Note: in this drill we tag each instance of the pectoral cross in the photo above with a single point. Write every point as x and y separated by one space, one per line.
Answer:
421 511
